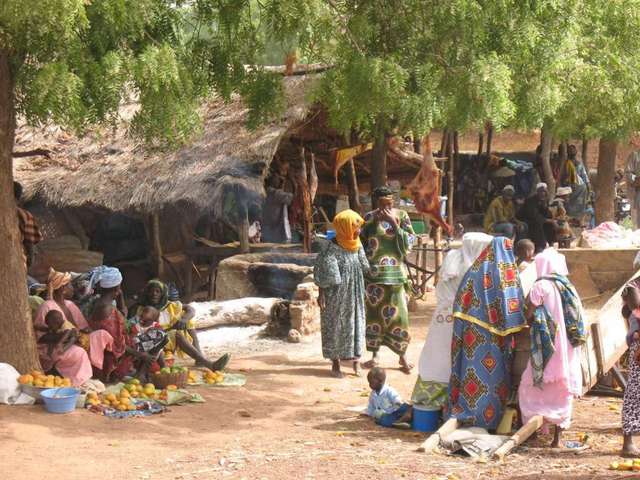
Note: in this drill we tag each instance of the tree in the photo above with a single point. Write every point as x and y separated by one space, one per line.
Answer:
73 62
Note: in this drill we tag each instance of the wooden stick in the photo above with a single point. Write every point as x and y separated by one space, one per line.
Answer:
430 444
489 139
157 244
354 192
519 437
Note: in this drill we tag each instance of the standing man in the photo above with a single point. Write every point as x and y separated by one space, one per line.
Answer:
632 171
500 218
28 227
574 175
275 212
387 237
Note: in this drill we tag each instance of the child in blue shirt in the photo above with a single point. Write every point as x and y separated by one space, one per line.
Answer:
385 404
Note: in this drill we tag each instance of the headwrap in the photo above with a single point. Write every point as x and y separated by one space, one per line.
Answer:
563 191
541 185
164 295
508 189
57 280
382 192
105 277
346 223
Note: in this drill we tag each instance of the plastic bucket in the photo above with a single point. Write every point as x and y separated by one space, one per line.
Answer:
331 234
60 400
426 419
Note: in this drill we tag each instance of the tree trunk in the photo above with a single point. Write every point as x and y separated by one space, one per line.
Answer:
585 153
480 142
444 142
17 339
354 191
489 139
546 140
452 185
379 162
605 185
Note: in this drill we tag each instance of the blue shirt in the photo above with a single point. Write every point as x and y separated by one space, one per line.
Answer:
386 401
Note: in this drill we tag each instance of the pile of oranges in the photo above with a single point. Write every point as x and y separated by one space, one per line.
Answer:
39 379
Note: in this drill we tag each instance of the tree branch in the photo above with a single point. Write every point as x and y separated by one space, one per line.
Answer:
33 153
352 39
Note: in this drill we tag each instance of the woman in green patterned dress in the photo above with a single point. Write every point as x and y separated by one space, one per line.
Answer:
387 237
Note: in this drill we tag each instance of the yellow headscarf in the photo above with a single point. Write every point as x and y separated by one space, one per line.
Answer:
57 280
346 223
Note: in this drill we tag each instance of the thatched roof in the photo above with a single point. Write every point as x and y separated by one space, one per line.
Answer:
111 170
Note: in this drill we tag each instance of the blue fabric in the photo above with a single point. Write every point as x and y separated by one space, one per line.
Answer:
506 229
543 337
571 309
388 419
487 309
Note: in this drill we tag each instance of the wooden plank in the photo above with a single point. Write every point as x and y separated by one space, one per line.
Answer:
519 437
431 443
596 333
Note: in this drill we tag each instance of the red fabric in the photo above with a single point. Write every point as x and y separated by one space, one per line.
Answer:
117 363
425 190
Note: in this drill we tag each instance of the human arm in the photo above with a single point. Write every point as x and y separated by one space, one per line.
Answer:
280 196
372 410
326 271
120 305
69 338
188 312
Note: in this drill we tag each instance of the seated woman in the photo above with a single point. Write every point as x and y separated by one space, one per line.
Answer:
175 319
119 355
72 362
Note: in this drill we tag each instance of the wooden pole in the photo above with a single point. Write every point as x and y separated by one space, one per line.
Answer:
431 443
157 245
243 231
480 142
354 192
519 437
437 240
444 143
452 185
585 153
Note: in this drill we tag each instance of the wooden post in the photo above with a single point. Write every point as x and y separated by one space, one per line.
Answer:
480 142
437 240
444 143
354 192
431 443
452 161
605 185
243 231
489 138
157 245
519 437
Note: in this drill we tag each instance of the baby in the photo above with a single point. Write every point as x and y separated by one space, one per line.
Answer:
58 332
385 405
148 339
525 250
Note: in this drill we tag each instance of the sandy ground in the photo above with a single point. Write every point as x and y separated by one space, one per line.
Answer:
291 420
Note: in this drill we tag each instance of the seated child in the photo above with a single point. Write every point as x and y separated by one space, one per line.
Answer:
525 250
59 332
385 405
148 339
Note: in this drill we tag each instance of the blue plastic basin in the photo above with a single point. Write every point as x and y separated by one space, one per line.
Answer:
60 400
331 234
426 419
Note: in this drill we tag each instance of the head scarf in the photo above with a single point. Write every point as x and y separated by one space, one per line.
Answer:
508 189
563 191
541 185
346 223
105 277
490 294
57 280
164 295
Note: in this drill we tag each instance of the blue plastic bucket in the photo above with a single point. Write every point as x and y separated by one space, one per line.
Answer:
331 234
426 419
60 400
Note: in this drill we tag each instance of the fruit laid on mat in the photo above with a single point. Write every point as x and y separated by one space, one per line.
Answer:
212 377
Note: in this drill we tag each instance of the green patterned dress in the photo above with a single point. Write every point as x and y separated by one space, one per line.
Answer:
386 294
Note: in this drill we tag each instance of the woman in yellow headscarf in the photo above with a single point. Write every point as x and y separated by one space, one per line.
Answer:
339 273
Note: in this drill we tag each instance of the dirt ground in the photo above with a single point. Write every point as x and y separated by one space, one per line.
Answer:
291 420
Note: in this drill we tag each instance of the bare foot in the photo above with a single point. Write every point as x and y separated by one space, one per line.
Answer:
370 364
335 370
556 438
630 452
405 366
356 368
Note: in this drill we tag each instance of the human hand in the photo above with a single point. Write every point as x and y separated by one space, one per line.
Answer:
321 300
180 325
386 215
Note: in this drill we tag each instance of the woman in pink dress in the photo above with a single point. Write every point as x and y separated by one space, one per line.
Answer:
73 363
553 376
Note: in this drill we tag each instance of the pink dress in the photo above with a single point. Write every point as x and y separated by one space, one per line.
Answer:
75 363
562 379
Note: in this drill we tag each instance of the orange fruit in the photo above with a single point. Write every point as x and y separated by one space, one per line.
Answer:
25 379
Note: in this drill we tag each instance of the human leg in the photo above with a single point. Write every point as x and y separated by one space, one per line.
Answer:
503 229
190 350
335 369
556 437
194 339
389 419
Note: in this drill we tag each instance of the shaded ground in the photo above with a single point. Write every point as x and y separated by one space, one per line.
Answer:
291 420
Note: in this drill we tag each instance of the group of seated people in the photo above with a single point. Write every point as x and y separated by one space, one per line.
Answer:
85 330
535 218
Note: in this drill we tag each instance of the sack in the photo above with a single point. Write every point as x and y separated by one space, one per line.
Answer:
10 391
